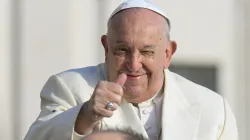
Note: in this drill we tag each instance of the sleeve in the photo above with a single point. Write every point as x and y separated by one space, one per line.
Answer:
59 111
229 131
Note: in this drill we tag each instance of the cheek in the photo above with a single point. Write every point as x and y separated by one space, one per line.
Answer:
114 60
154 64
161 61
117 62
154 68
114 64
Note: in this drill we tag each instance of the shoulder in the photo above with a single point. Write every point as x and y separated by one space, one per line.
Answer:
209 100
193 91
215 110
76 83
89 75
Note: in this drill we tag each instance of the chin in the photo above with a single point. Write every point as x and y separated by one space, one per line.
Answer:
133 90
132 99
132 96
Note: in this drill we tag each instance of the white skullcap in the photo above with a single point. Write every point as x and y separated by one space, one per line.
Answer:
146 4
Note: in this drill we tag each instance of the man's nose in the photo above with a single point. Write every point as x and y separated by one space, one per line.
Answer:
134 62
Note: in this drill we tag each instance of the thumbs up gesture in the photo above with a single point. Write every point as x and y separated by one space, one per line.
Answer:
104 100
107 93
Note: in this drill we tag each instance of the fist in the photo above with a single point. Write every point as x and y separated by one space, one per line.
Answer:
104 93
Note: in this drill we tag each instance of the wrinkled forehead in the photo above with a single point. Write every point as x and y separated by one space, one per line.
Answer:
105 136
137 25
137 16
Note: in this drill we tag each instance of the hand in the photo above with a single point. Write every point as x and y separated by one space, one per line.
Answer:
95 109
106 92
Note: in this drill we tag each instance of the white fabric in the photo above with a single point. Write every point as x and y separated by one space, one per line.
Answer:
146 4
189 111
149 113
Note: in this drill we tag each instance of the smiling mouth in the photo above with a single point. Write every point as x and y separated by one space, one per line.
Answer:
134 77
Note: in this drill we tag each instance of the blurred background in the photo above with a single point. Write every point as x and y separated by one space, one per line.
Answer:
39 38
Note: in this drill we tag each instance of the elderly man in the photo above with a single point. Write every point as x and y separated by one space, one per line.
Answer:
133 88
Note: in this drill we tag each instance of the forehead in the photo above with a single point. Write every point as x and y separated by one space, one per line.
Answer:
137 24
105 136
135 15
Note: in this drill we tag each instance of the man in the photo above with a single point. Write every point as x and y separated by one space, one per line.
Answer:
133 88
126 134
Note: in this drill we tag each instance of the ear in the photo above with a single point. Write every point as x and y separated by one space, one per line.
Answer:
170 50
104 40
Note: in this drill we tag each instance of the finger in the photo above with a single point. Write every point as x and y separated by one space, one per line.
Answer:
110 96
115 106
106 113
102 99
113 87
121 79
102 111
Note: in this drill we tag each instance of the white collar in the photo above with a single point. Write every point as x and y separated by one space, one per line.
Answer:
153 99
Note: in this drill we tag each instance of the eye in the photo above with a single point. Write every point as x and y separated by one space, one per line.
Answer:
120 51
147 53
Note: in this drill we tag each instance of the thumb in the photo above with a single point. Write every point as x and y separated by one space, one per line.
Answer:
121 79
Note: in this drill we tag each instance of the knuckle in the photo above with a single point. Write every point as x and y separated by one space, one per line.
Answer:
115 107
98 90
117 99
120 89
95 108
100 87
101 83
116 88
93 100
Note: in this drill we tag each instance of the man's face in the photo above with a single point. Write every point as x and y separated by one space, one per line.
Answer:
137 45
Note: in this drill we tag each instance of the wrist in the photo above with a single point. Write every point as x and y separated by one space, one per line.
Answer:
84 123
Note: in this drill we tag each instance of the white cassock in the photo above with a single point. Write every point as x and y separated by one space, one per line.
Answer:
188 111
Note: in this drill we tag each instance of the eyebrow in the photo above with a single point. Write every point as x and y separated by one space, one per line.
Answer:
144 47
122 42
149 47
